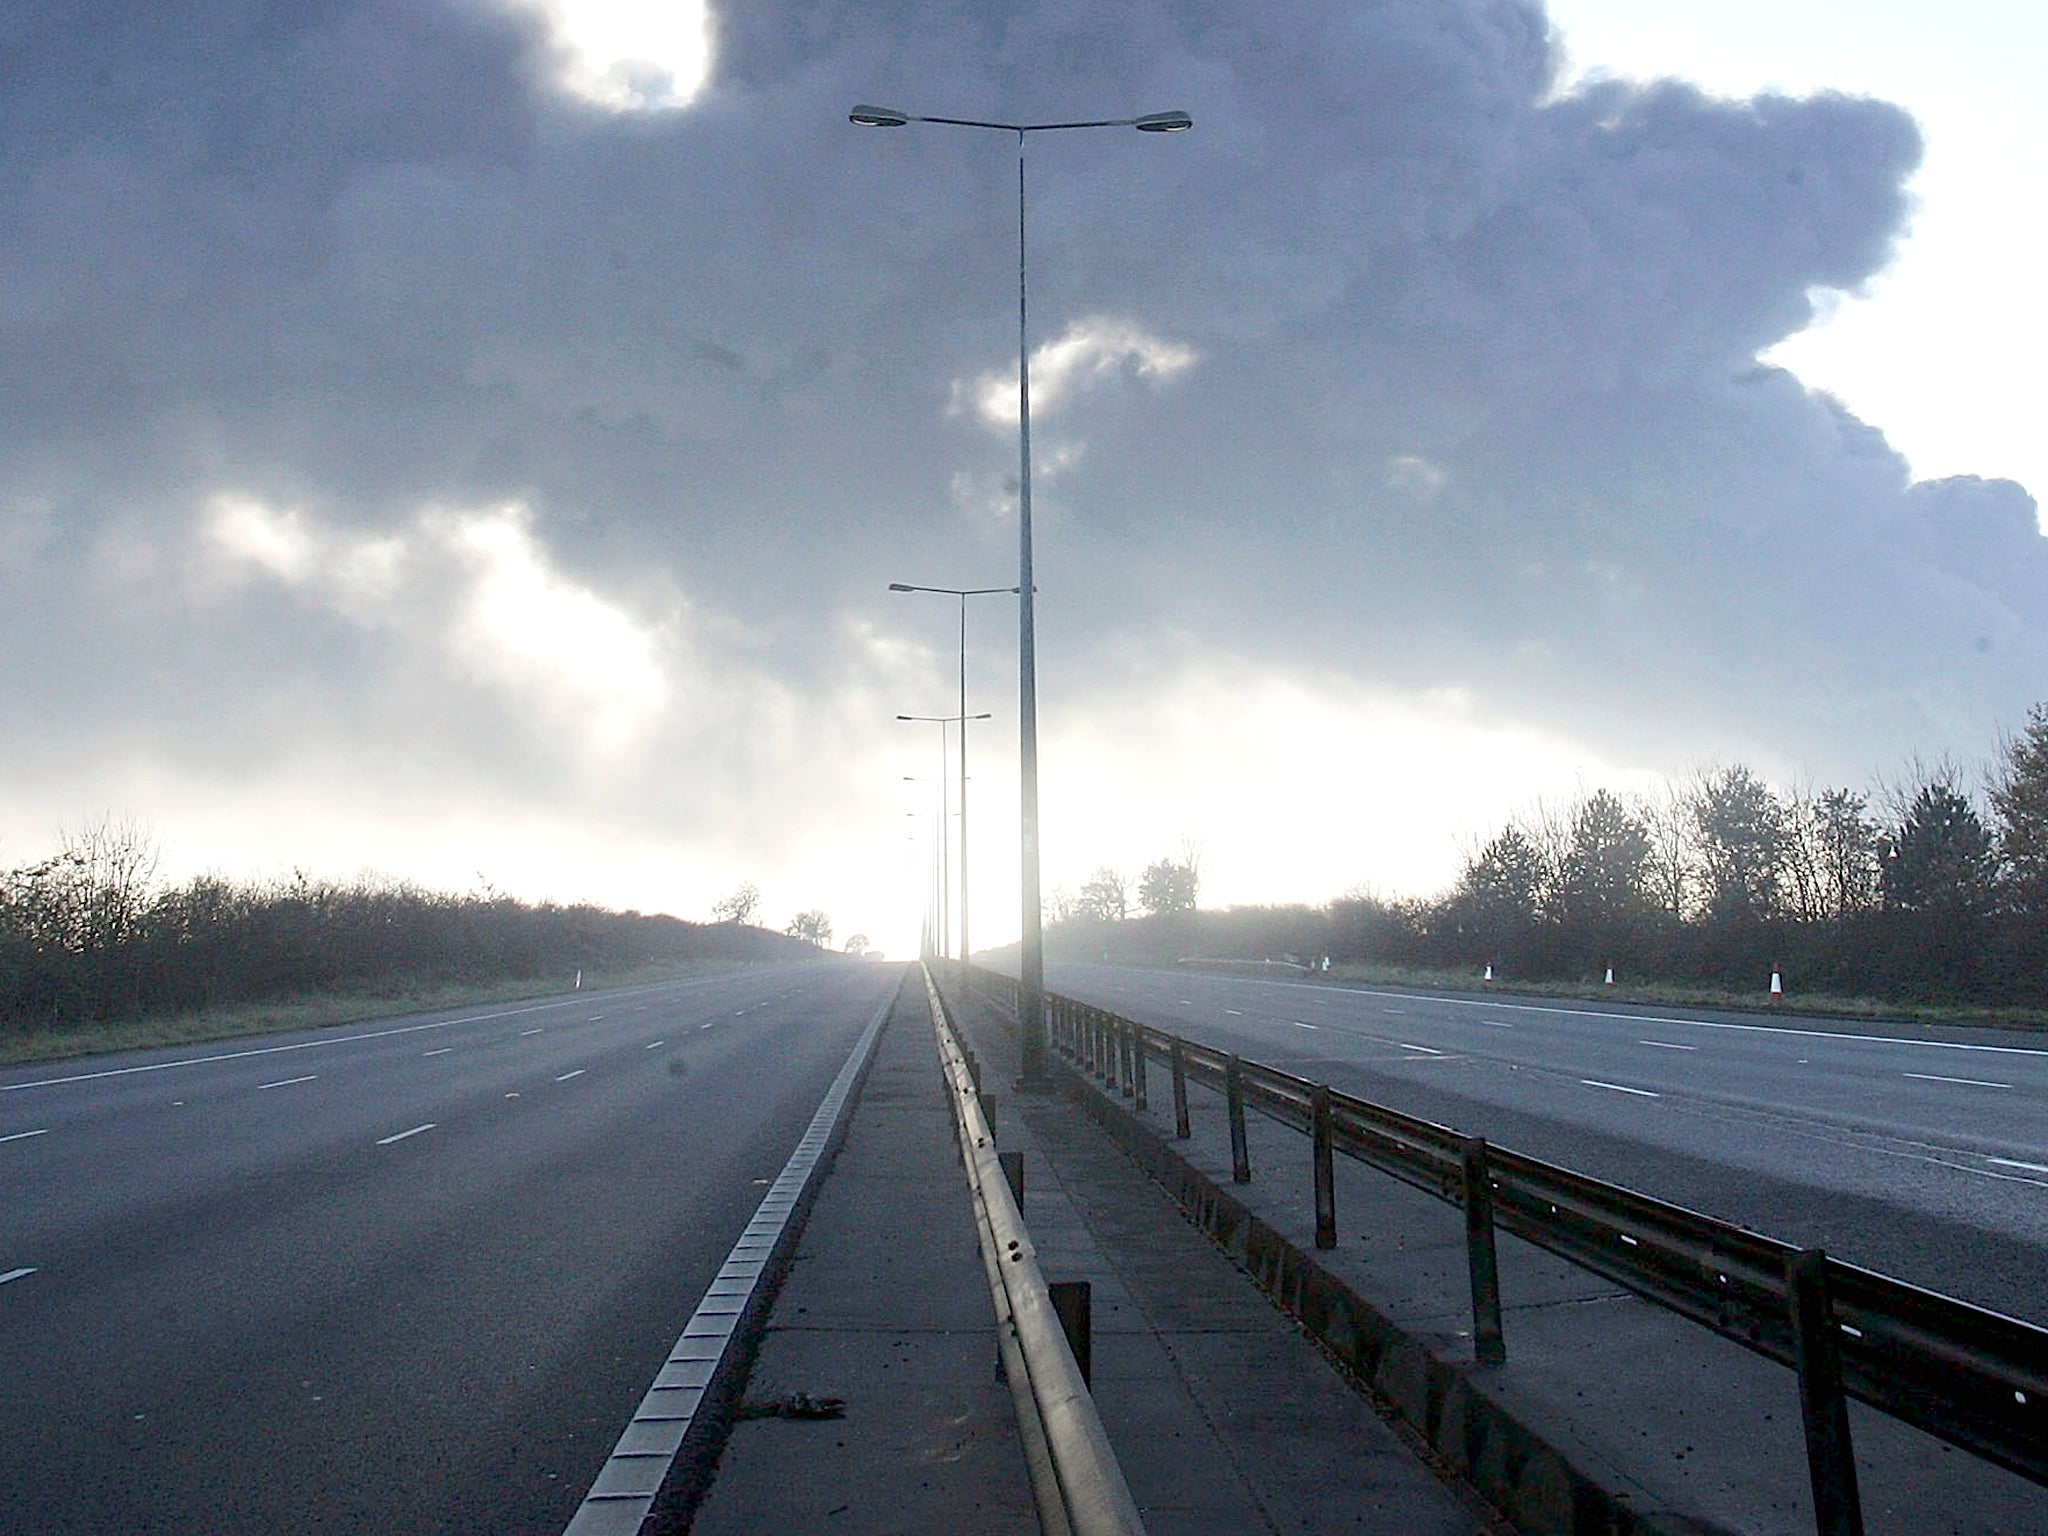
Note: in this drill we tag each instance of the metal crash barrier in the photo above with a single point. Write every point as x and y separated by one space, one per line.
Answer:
1075 1475
1967 1375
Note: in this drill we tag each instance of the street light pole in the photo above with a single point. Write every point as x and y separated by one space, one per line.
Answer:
1031 957
945 878
962 593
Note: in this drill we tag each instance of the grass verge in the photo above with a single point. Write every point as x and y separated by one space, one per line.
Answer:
1672 995
64 1042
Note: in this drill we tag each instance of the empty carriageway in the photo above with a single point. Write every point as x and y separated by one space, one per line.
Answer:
404 1275
1916 1151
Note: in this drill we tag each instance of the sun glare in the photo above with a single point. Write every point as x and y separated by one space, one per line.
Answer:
1087 353
632 55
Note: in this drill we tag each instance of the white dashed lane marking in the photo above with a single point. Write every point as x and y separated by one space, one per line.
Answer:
1666 1045
385 1141
288 1082
525 1032
653 1045
1641 1093
1966 1082
443 1051
567 1075
24 1135
17 1274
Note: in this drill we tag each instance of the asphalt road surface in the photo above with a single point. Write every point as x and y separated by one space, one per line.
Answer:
1920 1152
406 1276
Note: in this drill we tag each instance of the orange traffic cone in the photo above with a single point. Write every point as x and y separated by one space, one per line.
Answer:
1777 987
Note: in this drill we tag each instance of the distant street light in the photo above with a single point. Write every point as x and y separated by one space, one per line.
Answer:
1031 958
963 593
945 879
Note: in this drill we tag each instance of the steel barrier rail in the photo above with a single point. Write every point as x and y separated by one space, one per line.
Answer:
1970 1376
1081 1489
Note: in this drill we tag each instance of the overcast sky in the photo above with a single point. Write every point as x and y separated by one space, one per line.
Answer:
432 442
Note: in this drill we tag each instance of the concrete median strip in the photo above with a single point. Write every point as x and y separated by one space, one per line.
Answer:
626 1486
1081 1489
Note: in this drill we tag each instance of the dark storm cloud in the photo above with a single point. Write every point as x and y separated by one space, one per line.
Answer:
1474 401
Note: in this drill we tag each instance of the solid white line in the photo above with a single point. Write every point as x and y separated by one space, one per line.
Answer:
275 1050
1641 1093
1653 1018
17 1274
286 1082
1967 1082
633 1474
653 1045
567 1075
385 1141
2007 1162
1666 1045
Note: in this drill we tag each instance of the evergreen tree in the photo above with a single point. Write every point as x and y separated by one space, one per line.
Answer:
2019 795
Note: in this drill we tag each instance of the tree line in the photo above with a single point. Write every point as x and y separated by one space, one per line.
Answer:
91 934
1924 888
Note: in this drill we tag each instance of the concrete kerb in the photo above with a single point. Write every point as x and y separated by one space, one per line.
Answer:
668 1451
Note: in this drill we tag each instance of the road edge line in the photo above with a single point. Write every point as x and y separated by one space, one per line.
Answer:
701 1361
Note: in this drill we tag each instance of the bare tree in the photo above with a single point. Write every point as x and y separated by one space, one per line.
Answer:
813 926
1669 874
1831 854
740 906
1106 898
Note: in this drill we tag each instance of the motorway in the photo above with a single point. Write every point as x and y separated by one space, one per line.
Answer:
1920 1152
404 1276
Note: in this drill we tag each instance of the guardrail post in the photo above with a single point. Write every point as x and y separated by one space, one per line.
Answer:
1181 1129
1138 1063
1326 1172
1073 1304
1233 1096
1127 1032
1817 1355
1488 1345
